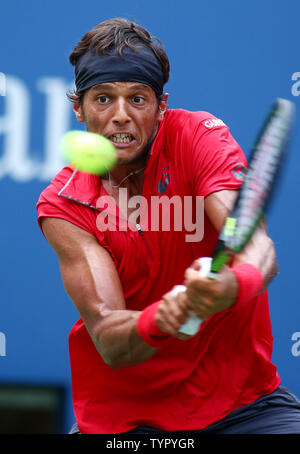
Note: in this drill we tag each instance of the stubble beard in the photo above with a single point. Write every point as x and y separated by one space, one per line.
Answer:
143 156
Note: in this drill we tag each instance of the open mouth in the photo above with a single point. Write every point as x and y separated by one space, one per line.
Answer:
121 138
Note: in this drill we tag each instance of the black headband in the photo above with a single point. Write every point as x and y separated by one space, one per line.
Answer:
132 66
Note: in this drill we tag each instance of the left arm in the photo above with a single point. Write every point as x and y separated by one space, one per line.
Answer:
260 251
209 296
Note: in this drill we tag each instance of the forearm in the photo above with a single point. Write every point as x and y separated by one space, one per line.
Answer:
92 283
127 338
261 253
101 304
235 284
117 340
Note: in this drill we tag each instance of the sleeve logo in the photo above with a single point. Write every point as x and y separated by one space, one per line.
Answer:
239 170
213 123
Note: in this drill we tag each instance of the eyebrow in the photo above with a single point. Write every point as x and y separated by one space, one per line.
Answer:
109 86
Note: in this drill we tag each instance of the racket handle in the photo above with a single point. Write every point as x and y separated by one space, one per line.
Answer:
192 325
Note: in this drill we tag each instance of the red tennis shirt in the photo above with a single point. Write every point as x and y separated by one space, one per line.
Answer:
186 385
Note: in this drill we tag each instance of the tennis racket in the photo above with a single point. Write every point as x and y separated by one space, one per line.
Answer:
254 195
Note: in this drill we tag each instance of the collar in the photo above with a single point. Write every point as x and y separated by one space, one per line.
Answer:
82 188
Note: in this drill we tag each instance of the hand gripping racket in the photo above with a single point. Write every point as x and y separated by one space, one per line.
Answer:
239 226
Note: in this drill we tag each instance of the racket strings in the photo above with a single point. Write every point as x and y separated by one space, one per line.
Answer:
260 177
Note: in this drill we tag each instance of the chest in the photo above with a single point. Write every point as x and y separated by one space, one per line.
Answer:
154 236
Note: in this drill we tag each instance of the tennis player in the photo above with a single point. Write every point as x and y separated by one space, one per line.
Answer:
132 372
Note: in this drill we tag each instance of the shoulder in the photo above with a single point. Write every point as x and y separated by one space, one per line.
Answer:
176 118
182 127
71 196
49 203
183 130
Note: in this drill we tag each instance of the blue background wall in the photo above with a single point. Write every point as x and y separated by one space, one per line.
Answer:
231 58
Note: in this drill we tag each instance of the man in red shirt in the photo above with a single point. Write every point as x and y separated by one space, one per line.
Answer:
132 371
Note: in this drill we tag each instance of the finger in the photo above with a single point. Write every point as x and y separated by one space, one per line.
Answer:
183 337
171 316
191 274
199 297
178 305
196 266
202 285
205 309
193 279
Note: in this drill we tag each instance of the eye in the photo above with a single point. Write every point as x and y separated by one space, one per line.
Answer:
103 99
138 99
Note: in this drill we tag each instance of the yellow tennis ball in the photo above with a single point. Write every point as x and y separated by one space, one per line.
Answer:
90 152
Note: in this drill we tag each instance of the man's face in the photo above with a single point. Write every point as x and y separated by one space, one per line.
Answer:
127 113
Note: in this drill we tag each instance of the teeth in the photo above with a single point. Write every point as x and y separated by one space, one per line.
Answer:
121 138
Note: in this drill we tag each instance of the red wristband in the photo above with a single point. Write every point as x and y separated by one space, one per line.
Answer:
147 328
250 280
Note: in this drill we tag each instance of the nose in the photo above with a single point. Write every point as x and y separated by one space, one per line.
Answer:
121 112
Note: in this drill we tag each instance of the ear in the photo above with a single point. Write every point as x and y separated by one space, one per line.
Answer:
77 109
163 106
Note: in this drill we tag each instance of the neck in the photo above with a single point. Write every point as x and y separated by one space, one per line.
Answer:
121 171
132 180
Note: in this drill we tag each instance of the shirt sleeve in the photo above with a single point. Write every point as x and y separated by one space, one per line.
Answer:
50 204
207 157
217 160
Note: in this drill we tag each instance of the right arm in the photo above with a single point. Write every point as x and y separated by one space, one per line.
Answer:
92 282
